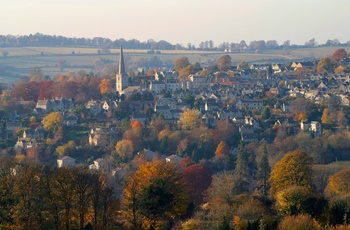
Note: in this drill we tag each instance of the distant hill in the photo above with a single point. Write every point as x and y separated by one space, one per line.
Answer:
43 40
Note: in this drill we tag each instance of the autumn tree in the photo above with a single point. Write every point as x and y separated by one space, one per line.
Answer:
342 121
302 109
105 86
222 196
82 188
324 65
189 119
52 121
65 149
326 117
27 211
63 193
224 63
296 200
222 149
187 71
155 194
197 179
181 63
45 90
339 183
340 54
293 169
124 149
301 221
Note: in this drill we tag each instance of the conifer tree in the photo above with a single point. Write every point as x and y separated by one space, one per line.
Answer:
264 171
241 169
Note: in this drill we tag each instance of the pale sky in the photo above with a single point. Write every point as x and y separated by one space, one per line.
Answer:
180 21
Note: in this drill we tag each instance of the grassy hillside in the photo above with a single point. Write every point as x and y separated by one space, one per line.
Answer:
21 59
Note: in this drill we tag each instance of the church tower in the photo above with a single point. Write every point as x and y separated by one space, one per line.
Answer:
122 80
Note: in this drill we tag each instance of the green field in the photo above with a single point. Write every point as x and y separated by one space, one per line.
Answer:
21 59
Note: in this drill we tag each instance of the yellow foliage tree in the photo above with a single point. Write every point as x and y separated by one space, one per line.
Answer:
143 199
293 169
124 149
65 149
326 117
341 119
190 119
298 222
294 200
339 183
52 121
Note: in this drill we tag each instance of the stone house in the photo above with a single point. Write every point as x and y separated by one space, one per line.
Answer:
65 161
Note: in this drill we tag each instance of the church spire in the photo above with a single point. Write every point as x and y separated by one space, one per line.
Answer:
121 62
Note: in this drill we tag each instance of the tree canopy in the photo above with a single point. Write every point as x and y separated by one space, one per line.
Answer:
155 193
189 119
52 121
293 169
181 63
224 63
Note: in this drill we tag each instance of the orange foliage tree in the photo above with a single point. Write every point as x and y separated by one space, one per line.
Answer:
105 86
222 149
340 54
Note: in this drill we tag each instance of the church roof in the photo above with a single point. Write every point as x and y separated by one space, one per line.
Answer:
121 62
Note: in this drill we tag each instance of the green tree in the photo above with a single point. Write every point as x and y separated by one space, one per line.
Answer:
264 171
7 185
241 168
293 169
265 114
189 98
224 63
156 201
